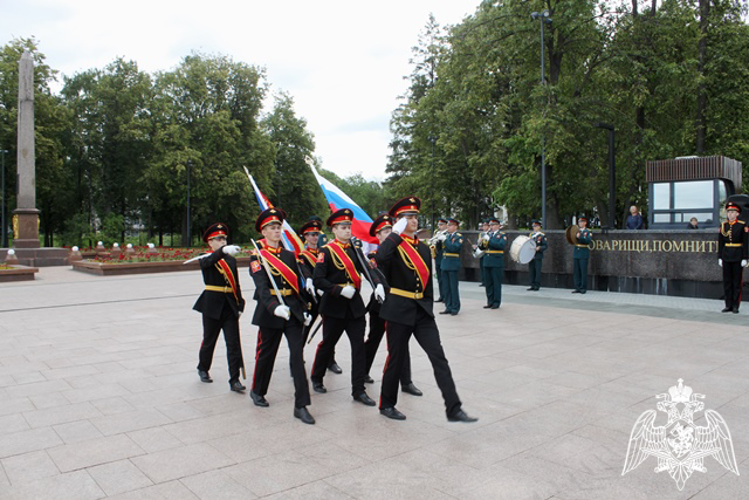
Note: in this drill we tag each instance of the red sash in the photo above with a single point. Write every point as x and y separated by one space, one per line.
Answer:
288 275
311 258
229 276
348 264
417 261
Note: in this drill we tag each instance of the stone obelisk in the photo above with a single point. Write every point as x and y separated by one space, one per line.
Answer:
26 212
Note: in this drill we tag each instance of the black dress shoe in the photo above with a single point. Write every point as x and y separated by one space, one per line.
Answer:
575 291
531 289
736 310
364 399
304 415
495 306
258 399
392 413
725 310
368 380
411 389
445 312
488 306
454 313
461 416
582 291
440 300
204 377
335 368
482 284
318 387
237 386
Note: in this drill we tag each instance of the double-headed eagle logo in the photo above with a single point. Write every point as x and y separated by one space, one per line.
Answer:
680 446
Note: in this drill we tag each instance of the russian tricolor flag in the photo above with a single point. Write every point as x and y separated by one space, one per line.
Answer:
337 200
289 237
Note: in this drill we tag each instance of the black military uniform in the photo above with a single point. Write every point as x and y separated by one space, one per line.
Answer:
308 258
338 267
534 266
733 253
376 323
407 266
282 265
221 304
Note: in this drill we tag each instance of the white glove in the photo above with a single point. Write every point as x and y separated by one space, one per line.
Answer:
320 293
400 226
486 237
231 249
309 286
442 237
379 293
307 319
743 263
348 291
282 312
720 262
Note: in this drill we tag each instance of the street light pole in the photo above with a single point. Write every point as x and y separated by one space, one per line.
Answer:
545 19
4 239
189 233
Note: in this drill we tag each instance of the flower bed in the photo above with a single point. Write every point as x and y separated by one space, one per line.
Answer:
147 260
17 273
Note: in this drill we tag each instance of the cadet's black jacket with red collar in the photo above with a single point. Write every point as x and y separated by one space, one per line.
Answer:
211 302
267 301
733 241
400 275
331 276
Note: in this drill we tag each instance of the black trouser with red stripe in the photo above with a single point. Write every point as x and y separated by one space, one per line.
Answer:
377 327
733 281
428 337
332 329
211 328
268 340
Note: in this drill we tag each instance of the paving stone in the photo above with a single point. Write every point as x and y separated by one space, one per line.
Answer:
78 485
216 485
94 452
74 432
119 477
29 467
20 442
176 463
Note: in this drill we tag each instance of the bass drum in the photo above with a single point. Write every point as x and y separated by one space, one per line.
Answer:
523 249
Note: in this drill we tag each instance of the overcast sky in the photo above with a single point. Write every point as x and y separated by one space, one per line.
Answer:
343 62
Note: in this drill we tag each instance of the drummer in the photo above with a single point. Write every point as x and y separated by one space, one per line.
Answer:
494 264
534 266
581 255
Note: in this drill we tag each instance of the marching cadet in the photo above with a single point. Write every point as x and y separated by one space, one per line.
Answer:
534 266
221 304
407 266
314 238
338 275
580 256
733 254
450 267
435 245
381 227
280 311
495 264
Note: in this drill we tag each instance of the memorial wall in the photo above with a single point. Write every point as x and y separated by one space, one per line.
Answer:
668 262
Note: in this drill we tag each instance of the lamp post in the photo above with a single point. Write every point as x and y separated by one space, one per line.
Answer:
4 239
189 233
612 173
545 19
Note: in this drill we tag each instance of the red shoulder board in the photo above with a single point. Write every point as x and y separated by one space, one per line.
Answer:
255 266
320 257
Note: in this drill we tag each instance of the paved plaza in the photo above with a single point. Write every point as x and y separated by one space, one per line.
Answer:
99 398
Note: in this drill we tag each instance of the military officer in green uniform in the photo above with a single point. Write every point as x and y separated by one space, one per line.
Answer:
436 246
482 264
534 266
494 264
450 267
581 255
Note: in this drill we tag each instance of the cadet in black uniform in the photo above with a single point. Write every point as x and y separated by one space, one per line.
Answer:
733 253
314 239
381 228
407 266
221 304
534 266
277 316
338 274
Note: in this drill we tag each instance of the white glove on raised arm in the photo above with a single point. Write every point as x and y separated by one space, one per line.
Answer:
348 291
400 226
379 293
720 262
230 249
442 237
307 319
282 312
309 286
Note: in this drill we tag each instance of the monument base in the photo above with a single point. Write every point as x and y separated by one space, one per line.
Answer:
26 228
39 257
